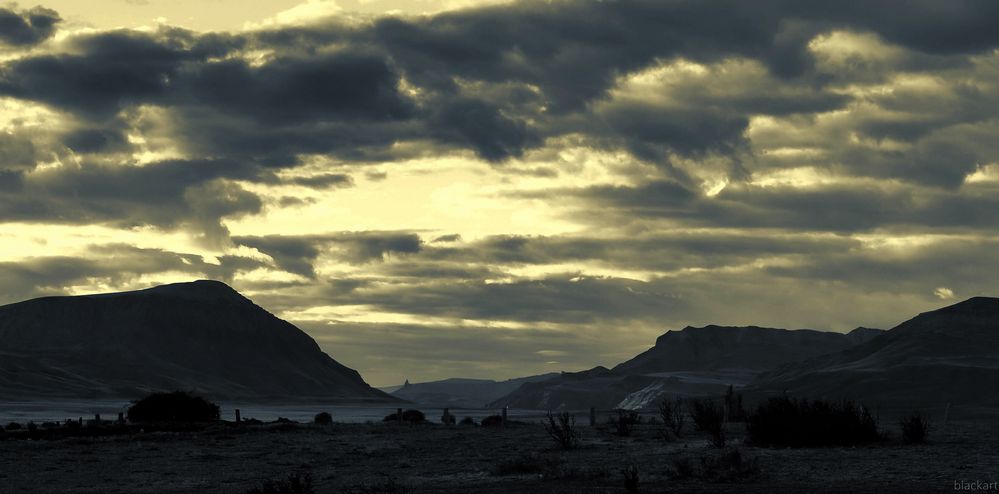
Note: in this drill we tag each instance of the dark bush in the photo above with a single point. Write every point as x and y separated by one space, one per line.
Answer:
728 466
681 468
13 426
625 422
294 484
915 428
802 423
733 404
447 419
323 418
467 421
72 424
410 416
673 414
178 406
562 428
630 479
709 417
492 421
387 486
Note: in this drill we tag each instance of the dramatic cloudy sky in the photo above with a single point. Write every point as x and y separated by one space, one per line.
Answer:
438 188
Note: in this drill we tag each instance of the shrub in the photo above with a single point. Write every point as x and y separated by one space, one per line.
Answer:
467 421
562 428
915 428
727 467
492 421
323 418
13 426
410 416
388 486
709 417
682 468
630 479
294 484
625 422
177 406
673 414
802 423
733 403
447 419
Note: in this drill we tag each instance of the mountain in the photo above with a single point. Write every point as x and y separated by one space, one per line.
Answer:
201 336
950 355
714 348
463 393
689 362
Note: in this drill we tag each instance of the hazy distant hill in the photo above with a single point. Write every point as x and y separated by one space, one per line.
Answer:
470 393
947 355
201 336
692 361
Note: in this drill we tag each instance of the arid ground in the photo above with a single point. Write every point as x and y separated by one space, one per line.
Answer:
370 458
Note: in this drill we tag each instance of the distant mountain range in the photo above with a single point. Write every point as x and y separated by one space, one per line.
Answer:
947 356
950 355
691 361
464 393
201 336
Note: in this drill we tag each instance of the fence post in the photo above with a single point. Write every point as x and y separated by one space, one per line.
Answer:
593 416
97 419
121 418
238 418
503 420
398 414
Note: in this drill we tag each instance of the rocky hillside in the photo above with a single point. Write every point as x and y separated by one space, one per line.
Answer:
201 336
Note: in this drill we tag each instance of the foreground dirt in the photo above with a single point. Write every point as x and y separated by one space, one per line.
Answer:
373 458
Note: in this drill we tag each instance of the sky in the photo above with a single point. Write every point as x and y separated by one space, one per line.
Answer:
438 188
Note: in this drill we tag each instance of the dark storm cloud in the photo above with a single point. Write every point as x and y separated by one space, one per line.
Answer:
164 194
27 27
298 254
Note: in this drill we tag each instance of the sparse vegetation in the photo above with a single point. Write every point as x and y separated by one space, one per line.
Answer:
631 479
178 406
733 405
802 423
467 421
673 414
409 416
709 416
625 422
294 484
723 465
323 418
915 428
562 428
492 421
13 426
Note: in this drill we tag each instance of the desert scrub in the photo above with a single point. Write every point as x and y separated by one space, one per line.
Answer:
410 416
915 428
631 479
561 428
492 421
803 423
673 414
178 406
323 418
709 416
624 422
721 465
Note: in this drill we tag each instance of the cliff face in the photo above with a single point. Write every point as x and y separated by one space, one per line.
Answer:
950 355
201 336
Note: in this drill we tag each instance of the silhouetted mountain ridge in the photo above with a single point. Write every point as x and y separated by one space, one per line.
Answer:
201 335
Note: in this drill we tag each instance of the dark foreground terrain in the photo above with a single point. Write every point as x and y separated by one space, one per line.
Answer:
395 458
